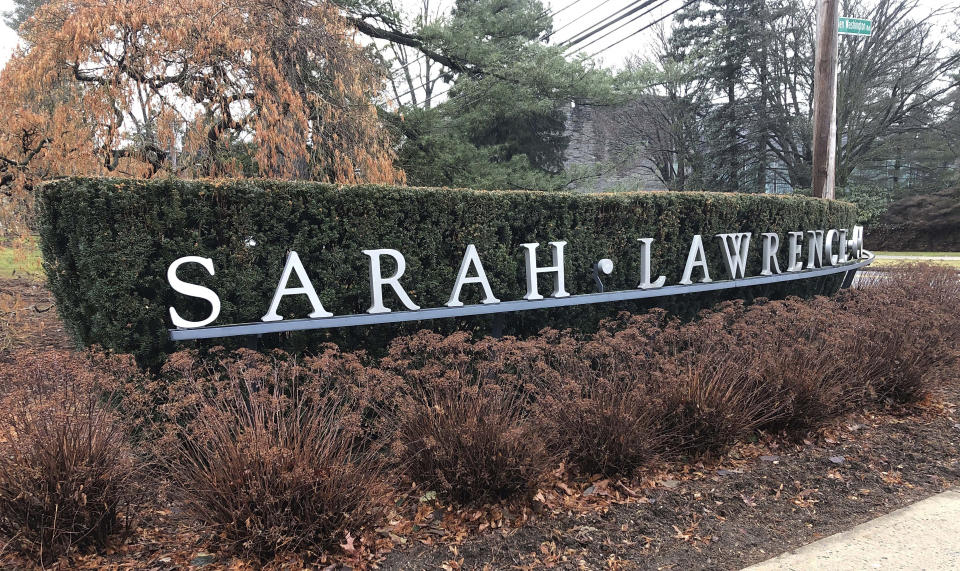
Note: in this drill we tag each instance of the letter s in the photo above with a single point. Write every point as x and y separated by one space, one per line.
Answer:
192 290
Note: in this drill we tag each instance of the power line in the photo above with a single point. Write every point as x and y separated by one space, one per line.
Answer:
644 28
594 29
601 21
624 12
565 7
578 18
546 12
542 14
615 30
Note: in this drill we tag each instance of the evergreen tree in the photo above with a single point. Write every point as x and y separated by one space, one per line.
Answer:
725 39
503 124
22 10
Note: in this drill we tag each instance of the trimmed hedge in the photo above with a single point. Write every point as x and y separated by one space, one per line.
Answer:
107 244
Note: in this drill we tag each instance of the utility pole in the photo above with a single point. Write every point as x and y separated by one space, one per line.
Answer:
825 99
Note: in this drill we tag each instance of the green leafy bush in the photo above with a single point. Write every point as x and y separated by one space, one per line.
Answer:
871 202
107 244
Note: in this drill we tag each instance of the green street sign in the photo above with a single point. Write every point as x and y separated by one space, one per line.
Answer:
855 27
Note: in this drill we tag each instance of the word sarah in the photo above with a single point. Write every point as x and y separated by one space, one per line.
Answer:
831 247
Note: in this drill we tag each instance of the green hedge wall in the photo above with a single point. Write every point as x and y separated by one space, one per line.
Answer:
107 244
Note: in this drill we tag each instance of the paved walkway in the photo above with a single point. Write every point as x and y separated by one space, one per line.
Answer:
924 536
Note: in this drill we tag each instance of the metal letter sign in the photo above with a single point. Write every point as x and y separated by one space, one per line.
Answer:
828 252
855 27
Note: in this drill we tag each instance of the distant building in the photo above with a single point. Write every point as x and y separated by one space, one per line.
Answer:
599 137
619 142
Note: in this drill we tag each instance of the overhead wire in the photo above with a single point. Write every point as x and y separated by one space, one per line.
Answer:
644 28
632 20
614 18
564 8
633 8
542 14
580 17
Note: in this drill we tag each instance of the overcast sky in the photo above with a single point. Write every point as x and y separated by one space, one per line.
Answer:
571 17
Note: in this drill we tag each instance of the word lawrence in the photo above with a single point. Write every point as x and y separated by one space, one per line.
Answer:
810 254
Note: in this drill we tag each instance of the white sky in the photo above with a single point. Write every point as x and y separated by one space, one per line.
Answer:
8 38
580 15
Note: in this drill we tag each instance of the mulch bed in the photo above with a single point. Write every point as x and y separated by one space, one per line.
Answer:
760 499
37 310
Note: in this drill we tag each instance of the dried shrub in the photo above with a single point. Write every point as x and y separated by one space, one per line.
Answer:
603 427
12 322
712 399
272 468
911 328
157 406
470 443
482 420
66 473
817 382
806 351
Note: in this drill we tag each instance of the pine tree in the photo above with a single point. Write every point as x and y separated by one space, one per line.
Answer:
726 40
503 124
22 11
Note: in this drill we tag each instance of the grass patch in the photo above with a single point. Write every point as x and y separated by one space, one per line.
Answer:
908 257
888 263
921 254
20 261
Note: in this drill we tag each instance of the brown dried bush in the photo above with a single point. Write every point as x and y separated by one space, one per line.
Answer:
157 406
470 443
482 420
603 427
712 399
911 328
817 381
806 350
273 468
66 472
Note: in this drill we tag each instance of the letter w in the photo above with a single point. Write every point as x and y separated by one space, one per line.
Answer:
737 259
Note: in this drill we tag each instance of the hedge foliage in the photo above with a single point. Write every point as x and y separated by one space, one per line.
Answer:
107 244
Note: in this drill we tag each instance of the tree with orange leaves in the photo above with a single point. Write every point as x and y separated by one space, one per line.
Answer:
194 88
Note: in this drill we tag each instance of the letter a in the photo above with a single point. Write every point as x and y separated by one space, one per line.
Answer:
471 258
293 264
696 257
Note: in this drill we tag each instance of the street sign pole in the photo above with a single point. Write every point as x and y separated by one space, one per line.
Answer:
825 99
